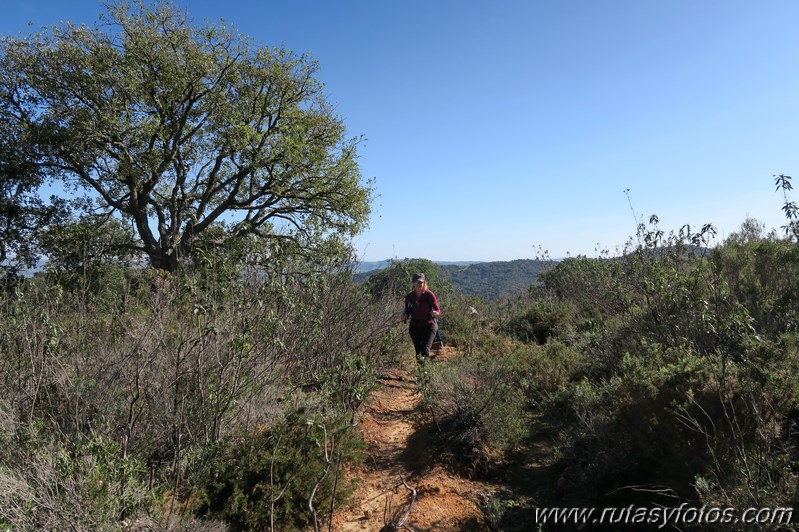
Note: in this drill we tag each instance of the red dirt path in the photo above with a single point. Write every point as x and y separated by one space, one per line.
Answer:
396 451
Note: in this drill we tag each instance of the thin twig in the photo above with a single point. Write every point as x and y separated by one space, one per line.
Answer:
410 506
319 481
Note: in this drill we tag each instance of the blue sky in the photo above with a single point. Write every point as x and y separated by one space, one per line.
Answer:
493 128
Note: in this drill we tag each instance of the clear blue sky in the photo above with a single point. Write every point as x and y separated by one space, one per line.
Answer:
496 127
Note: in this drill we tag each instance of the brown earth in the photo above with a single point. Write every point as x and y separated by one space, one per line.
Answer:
397 451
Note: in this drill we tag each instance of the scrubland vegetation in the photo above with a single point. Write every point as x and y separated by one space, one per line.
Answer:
663 376
182 401
221 397
194 353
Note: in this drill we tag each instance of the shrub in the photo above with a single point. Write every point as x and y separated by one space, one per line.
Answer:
265 480
540 322
49 481
543 370
625 432
460 327
169 369
478 406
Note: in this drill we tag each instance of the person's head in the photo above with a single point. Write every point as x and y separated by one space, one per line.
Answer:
419 281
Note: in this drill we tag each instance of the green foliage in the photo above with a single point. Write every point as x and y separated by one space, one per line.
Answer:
667 371
543 371
65 482
590 284
684 365
762 274
22 211
229 391
80 244
263 480
481 408
182 368
789 208
540 322
492 280
504 511
460 326
395 281
193 135
349 384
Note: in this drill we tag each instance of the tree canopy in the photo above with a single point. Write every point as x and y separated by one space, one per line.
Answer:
396 279
190 135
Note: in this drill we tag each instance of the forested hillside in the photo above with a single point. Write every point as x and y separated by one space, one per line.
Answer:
490 280
487 280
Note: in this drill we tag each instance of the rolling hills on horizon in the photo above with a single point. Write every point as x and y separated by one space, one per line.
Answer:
488 280
372 266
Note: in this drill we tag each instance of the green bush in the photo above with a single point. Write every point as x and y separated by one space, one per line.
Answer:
543 370
625 432
540 322
479 408
682 382
265 480
49 481
460 327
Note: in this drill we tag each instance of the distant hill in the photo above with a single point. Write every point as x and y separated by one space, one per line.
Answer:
362 267
372 266
489 280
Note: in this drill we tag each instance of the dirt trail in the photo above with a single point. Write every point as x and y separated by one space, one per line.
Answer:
396 451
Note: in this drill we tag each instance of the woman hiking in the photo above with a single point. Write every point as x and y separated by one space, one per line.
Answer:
421 307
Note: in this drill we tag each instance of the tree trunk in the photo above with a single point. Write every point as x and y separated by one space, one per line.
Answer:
161 260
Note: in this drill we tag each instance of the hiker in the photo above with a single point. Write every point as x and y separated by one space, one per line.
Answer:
421 307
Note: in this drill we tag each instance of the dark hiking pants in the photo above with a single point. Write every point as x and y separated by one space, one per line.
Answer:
423 336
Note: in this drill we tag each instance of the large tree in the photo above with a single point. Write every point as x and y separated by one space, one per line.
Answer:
193 134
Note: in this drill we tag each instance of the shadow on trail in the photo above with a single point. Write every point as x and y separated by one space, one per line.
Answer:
526 479
419 453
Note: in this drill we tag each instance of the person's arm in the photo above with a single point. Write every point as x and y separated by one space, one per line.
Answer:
406 312
435 310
